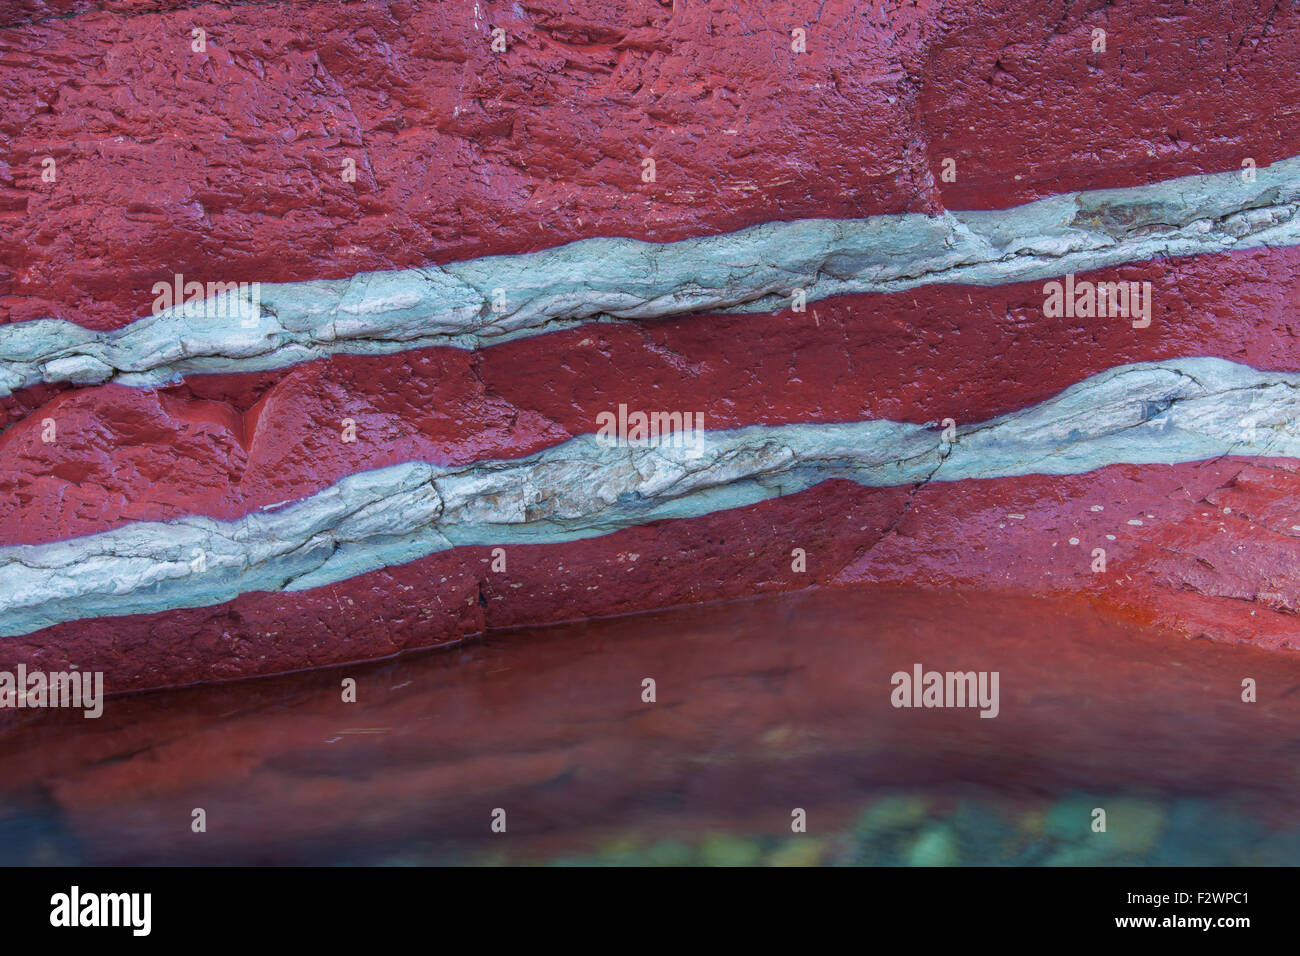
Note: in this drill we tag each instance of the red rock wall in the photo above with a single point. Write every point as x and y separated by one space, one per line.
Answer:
226 164
225 445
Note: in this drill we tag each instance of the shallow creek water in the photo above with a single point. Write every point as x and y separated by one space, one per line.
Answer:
762 708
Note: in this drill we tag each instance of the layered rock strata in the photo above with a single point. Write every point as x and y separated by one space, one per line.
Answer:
894 331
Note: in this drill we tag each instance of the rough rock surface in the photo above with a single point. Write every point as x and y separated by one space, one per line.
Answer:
225 165
1150 414
497 298
225 445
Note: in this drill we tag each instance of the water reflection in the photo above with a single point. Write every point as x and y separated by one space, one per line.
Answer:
762 707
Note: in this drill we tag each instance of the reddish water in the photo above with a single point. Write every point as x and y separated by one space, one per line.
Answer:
762 707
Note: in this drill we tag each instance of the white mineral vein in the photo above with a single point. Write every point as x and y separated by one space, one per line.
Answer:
755 269
1150 413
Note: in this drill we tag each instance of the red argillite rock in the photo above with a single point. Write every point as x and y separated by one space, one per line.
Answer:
395 492
228 163
224 445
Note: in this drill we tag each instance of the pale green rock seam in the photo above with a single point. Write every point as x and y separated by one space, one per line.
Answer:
609 279
1149 413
